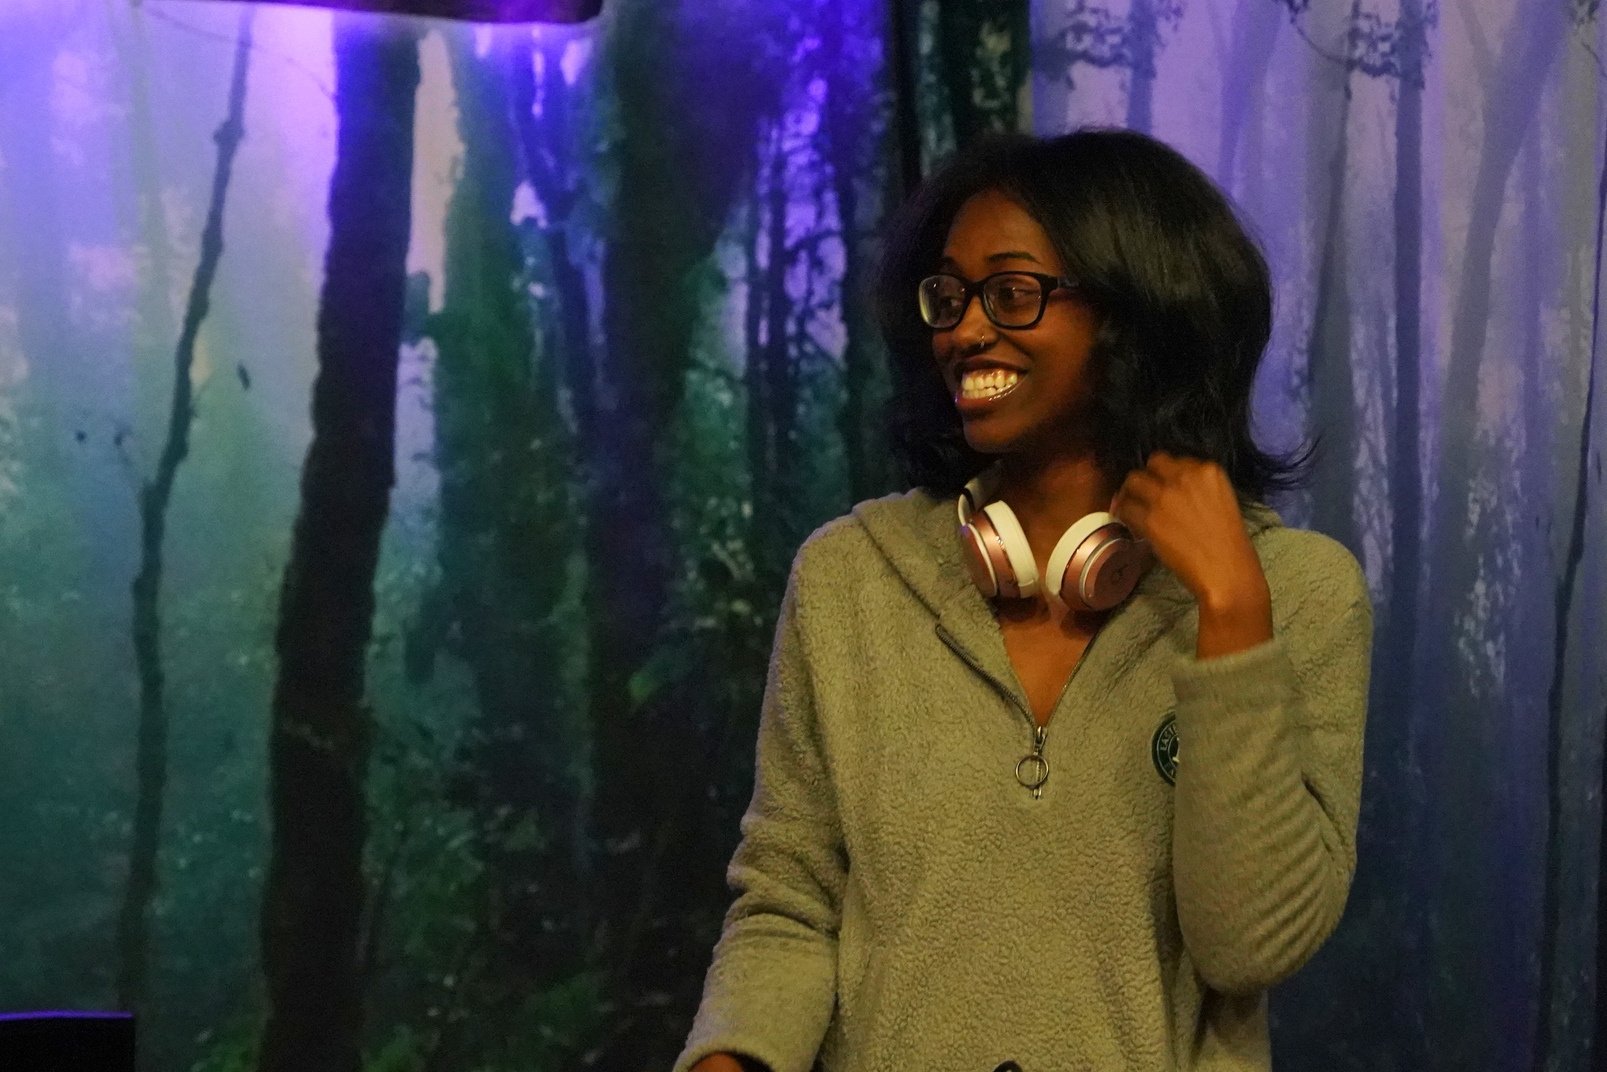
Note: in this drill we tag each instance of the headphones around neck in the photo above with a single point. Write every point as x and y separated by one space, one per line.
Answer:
1094 566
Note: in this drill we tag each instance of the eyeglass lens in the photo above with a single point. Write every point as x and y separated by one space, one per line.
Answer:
1009 300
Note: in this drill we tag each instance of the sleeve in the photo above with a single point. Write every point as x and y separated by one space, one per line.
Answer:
1268 791
770 990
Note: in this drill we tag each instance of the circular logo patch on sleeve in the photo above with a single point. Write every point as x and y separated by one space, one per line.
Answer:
1163 749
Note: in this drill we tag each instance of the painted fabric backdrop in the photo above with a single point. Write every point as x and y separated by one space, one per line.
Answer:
444 775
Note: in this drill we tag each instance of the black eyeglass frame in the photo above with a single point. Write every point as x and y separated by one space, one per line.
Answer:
1047 285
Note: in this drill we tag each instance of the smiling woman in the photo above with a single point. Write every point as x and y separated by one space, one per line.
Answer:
931 873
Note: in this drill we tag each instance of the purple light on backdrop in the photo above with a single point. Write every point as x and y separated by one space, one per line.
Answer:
465 10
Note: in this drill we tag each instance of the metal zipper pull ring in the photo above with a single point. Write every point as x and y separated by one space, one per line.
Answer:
1032 769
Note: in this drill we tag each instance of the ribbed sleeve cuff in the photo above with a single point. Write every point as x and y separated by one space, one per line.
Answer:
766 1001
1229 680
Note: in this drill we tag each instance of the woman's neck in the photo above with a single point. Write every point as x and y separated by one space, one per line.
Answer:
1049 496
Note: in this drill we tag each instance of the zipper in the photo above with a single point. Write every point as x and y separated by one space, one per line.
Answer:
1032 769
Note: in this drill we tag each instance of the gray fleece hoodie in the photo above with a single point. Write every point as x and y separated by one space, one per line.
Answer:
905 905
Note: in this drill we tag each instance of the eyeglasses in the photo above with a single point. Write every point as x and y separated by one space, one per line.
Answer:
1009 299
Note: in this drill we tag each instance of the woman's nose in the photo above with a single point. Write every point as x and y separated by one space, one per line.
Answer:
974 331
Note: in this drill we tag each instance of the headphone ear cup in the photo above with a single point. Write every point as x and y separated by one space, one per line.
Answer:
1096 564
978 563
1023 568
988 559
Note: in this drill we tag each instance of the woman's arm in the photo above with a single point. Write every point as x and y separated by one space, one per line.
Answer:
771 987
1268 790
1269 727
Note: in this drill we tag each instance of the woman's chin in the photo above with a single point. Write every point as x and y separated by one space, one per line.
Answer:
987 436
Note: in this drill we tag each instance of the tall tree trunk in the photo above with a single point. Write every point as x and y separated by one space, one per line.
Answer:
1328 352
546 151
318 751
854 138
1255 31
756 442
774 492
545 148
1394 682
901 44
679 172
984 93
504 535
1454 857
1551 933
1143 36
155 496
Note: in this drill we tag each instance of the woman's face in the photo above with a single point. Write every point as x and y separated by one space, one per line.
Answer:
1042 370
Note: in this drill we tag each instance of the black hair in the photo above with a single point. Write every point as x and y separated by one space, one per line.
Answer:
1182 296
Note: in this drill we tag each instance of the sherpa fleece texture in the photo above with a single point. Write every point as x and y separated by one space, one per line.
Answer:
904 905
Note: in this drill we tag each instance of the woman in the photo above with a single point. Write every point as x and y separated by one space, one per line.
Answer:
1003 811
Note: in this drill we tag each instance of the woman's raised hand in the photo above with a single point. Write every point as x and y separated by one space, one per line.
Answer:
1188 511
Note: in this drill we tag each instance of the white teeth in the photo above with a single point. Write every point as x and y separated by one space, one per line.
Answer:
987 383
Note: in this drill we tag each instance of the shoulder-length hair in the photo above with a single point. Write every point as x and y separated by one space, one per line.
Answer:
1182 295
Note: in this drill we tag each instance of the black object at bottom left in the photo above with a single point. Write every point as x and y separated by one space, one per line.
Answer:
66 1042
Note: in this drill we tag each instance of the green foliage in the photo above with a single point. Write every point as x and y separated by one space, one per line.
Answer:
402 1052
233 1049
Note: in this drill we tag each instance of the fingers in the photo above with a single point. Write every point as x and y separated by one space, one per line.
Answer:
1163 474
1136 498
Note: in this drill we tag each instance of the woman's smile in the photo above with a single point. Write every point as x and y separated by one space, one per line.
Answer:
980 390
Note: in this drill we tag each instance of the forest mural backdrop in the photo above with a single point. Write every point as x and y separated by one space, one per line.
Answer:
405 428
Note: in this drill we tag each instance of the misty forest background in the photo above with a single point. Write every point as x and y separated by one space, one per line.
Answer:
446 774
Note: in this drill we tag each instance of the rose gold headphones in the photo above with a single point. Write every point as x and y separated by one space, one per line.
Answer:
1093 567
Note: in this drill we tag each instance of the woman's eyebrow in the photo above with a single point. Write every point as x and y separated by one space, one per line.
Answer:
1012 255
993 258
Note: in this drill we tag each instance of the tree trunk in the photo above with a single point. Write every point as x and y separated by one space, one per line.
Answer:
155 496
1394 682
983 97
775 492
505 538
901 44
1551 933
318 753
1255 31
755 440
679 172
545 147
1143 36
546 152
1328 353
1473 947
853 138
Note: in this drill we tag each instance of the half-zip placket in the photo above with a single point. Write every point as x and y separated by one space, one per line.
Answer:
1032 769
